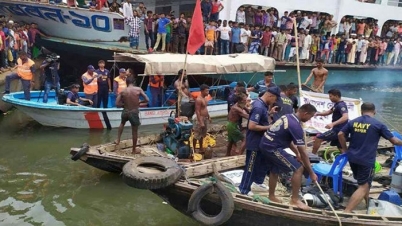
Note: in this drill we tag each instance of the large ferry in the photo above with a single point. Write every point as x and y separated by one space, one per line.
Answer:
101 30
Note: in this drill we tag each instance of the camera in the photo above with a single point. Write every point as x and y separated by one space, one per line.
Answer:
52 58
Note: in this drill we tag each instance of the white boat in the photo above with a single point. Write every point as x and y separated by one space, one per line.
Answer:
52 114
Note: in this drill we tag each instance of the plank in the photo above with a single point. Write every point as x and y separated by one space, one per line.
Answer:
221 164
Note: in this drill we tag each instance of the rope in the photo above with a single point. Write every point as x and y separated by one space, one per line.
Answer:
329 203
389 123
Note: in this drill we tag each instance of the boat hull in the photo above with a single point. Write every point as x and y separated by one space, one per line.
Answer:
252 213
92 118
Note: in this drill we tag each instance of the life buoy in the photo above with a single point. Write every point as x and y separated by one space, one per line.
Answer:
84 149
151 172
225 197
195 94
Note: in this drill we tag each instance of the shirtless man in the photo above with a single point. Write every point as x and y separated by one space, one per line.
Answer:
320 77
129 99
202 120
182 88
237 112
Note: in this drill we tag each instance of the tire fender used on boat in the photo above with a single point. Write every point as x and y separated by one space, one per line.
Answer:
84 149
226 198
151 172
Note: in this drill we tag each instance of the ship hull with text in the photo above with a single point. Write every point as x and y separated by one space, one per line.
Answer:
100 32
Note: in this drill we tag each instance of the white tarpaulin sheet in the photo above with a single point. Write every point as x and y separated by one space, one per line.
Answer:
322 103
202 64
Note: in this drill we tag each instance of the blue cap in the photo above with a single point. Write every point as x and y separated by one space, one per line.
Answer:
274 90
90 67
122 70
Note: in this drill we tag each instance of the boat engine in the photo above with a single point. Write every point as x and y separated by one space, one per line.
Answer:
177 133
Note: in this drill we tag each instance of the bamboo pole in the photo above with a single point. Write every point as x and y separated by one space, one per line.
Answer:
297 55
179 93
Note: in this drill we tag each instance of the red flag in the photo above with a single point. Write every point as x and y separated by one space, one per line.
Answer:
196 35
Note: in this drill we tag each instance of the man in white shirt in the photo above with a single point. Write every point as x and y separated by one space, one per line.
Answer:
245 34
306 47
306 22
241 15
225 31
127 9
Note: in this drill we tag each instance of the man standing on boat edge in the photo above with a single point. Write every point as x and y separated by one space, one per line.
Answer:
104 84
365 133
257 124
129 99
287 132
320 77
25 72
203 119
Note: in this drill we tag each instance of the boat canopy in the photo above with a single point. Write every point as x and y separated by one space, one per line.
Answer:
170 64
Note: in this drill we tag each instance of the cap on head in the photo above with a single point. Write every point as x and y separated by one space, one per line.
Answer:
91 68
122 70
274 90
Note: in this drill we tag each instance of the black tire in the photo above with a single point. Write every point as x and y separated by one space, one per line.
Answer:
171 173
194 207
84 149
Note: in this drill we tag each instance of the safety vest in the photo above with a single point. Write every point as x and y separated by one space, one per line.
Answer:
121 84
92 87
24 70
153 81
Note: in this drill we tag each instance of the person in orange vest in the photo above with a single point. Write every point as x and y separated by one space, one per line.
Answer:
119 83
25 71
90 82
156 87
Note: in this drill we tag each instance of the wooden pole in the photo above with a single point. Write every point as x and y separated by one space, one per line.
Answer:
179 93
297 55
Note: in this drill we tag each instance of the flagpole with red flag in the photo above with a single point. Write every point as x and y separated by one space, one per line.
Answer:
196 39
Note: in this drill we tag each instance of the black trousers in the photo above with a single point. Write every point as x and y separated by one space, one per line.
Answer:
103 96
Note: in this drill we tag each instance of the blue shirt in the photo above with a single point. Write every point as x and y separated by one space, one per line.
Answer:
236 35
206 8
259 115
73 97
104 78
258 34
161 25
365 132
282 133
337 111
286 105
260 86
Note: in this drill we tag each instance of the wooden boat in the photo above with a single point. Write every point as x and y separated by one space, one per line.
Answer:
111 157
248 211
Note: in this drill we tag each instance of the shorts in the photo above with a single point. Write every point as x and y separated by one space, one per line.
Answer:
234 132
168 38
279 161
132 117
330 135
198 131
209 43
363 174
134 41
321 90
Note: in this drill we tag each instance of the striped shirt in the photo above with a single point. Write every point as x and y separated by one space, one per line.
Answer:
134 23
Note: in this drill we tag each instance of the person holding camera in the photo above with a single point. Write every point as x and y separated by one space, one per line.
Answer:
49 69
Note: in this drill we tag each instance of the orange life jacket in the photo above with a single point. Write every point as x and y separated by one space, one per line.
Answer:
24 70
156 81
91 87
195 94
121 84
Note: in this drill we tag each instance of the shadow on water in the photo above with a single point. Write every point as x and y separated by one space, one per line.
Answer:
41 185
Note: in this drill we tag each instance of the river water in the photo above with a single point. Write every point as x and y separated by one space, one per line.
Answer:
40 185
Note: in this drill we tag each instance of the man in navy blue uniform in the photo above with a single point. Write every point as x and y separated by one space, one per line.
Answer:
365 132
287 132
339 119
263 85
104 84
284 103
257 124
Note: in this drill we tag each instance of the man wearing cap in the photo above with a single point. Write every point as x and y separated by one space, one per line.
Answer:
255 169
25 71
90 82
263 85
119 83
74 99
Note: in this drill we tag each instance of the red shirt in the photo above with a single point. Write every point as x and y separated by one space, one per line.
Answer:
3 39
215 6
266 38
101 4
